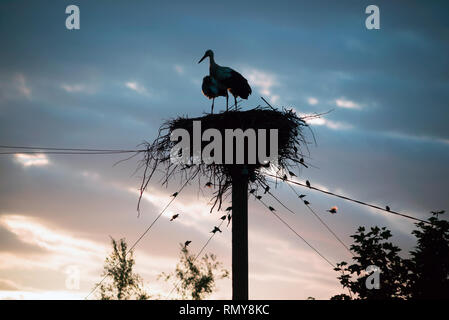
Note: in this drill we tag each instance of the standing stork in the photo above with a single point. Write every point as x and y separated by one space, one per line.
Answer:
213 89
231 79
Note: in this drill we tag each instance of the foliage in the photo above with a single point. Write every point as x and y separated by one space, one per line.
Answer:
429 262
124 283
372 248
341 296
196 279
425 275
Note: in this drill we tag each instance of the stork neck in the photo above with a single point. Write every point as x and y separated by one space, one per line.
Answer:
212 65
211 60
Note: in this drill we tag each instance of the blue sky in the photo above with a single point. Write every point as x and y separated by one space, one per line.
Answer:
134 64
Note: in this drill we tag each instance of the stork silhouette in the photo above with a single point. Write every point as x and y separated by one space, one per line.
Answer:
212 89
232 80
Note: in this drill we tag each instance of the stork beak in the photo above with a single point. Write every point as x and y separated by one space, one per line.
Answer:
204 57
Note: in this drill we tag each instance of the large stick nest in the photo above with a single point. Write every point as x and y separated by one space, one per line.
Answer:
292 146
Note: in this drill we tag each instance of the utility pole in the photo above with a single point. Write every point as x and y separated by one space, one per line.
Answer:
240 234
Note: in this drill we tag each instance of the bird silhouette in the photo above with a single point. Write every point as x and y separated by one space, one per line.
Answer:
301 161
284 177
271 208
229 219
252 191
267 188
258 197
174 217
175 194
438 212
232 80
208 184
228 208
333 210
308 183
301 196
187 243
223 217
291 174
213 89
215 230
306 202
387 208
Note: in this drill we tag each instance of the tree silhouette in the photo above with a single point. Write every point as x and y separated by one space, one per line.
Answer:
196 279
425 275
429 262
124 283
372 249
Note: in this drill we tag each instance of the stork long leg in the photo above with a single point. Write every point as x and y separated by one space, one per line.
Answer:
212 108
227 98
235 100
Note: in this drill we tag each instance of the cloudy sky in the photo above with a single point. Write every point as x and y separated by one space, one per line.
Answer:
133 64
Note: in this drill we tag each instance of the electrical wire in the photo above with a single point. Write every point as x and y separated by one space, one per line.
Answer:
312 211
68 149
196 257
348 199
323 223
297 234
66 152
142 235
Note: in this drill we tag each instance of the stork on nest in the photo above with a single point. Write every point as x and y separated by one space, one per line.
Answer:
292 144
221 79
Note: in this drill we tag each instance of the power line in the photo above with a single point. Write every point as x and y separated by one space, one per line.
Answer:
348 199
297 234
196 257
319 219
6 150
142 235
323 223
66 152
67 149
280 202
312 211
82 151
